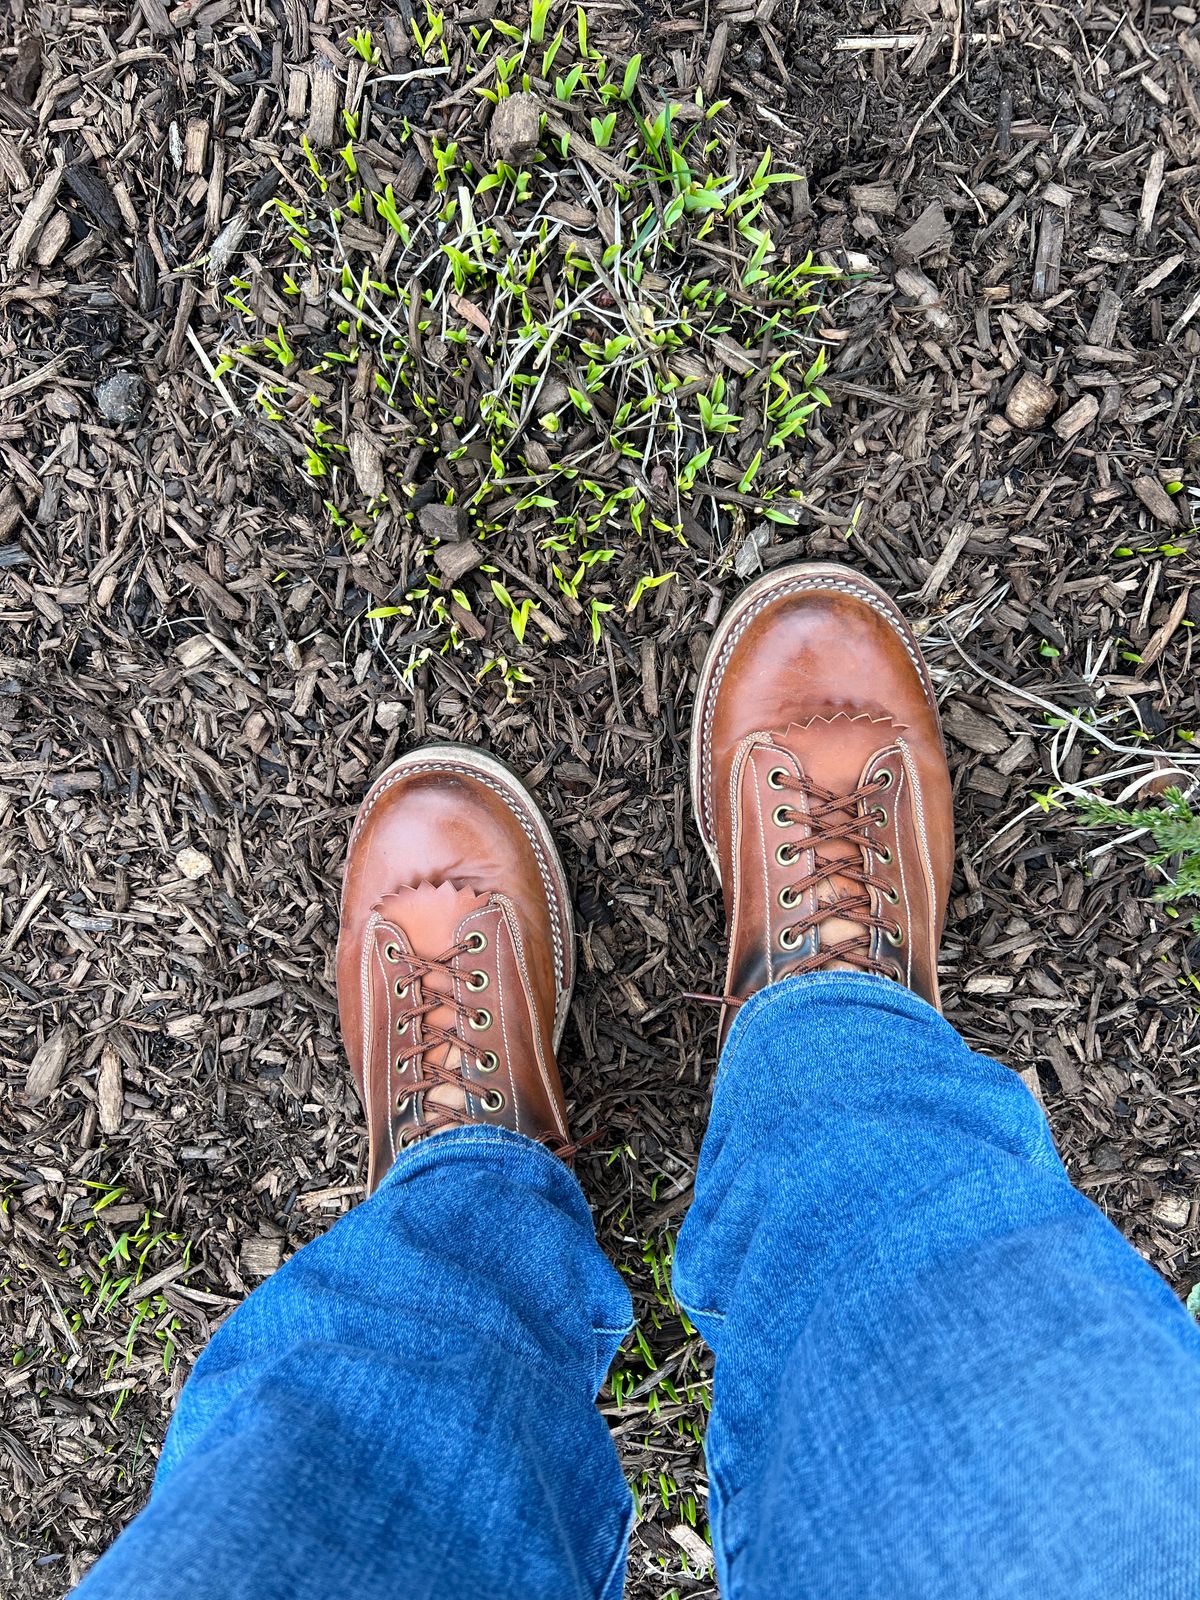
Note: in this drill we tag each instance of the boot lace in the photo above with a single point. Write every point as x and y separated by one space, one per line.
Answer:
836 818
831 818
428 1039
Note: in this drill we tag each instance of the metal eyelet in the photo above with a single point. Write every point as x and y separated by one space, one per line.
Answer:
775 777
477 981
884 855
880 817
492 1100
780 817
402 1024
481 1019
488 1062
391 951
402 1104
892 895
897 971
784 856
399 989
895 939
477 941
787 899
789 939
885 778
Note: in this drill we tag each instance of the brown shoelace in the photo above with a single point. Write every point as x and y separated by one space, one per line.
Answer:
840 818
835 818
433 1037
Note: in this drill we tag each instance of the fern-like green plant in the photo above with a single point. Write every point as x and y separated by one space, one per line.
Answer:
1174 830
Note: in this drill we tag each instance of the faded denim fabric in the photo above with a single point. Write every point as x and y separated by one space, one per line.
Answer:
940 1373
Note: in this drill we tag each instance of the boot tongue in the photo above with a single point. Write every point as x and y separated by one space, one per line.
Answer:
834 751
430 917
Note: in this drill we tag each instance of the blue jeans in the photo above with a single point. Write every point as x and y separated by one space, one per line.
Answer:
940 1373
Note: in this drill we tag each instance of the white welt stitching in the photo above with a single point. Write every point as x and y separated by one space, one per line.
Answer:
796 586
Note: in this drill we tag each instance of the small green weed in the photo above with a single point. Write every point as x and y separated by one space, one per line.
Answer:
592 356
1174 831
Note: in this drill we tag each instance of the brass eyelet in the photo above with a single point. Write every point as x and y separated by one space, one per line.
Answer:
399 989
391 951
780 817
789 939
787 899
895 939
775 777
407 1137
402 1024
884 855
402 1103
885 778
477 981
492 1100
880 817
477 941
892 895
784 856
481 1019
488 1062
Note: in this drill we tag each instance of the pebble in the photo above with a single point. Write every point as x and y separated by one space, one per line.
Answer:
120 397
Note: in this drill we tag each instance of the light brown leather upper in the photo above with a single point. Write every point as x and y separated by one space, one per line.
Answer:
454 955
821 784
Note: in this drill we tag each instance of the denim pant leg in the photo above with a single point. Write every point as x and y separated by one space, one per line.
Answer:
940 1372
406 1408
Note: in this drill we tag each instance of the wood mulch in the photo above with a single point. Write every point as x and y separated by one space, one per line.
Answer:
191 703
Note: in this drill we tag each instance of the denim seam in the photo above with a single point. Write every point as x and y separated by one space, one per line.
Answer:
699 1311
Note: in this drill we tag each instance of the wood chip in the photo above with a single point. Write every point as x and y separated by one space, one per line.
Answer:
195 145
454 561
324 95
46 1068
1080 416
1030 402
1157 501
1162 636
515 129
929 234
110 1091
880 199
927 295
367 463
259 1256
36 213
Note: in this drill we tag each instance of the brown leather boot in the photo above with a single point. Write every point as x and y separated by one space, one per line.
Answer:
820 784
455 955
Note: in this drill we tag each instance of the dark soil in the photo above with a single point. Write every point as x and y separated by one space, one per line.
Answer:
190 708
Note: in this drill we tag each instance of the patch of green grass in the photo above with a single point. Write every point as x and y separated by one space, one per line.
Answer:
588 358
